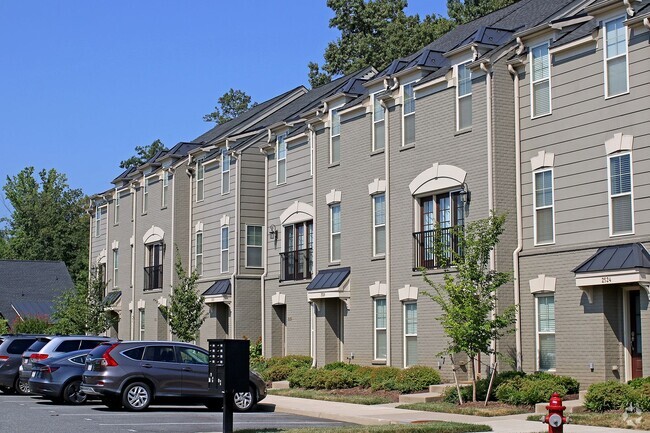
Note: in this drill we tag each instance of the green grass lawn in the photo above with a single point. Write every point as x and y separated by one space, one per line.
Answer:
329 396
465 410
609 419
432 427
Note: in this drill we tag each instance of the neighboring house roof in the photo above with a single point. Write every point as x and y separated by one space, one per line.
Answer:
33 308
616 257
329 278
24 281
221 287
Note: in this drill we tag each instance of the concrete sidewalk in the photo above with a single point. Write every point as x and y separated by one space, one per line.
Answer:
388 414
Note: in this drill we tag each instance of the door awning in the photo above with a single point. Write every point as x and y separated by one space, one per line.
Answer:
330 283
112 297
219 291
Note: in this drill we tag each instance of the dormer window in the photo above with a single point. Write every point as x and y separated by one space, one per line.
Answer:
281 152
616 82
408 115
540 82
464 97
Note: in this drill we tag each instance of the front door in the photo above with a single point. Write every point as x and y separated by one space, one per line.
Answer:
636 351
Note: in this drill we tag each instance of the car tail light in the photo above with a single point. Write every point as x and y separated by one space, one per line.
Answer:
107 359
38 356
3 358
48 369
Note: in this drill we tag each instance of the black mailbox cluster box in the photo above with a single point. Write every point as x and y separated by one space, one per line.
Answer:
228 366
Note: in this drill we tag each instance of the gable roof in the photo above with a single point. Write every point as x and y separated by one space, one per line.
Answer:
30 281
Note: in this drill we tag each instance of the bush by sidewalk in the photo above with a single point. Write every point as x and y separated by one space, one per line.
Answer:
613 395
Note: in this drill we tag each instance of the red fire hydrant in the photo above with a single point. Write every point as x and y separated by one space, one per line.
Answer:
555 417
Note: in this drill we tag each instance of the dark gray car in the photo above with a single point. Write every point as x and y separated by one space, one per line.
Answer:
134 374
11 350
59 378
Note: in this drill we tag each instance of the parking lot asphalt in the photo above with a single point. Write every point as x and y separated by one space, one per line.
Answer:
33 414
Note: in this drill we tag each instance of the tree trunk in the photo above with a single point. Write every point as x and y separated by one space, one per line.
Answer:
473 371
453 369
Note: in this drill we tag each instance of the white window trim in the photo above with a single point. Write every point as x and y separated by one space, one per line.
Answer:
141 323
278 159
332 233
261 247
116 208
609 193
532 83
332 110
225 250
458 98
376 328
374 122
196 253
375 225
535 208
164 188
605 59
145 195
224 157
538 333
412 84
116 264
98 219
404 304
200 177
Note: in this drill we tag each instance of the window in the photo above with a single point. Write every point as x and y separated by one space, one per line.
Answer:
543 218
141 312
198 256
464 97
18 346
224 249
408 115
145 195
89 344
165 188
540 82
116 265
380 328
621 220
98 220
225 171
440 215
335 137
378 130
200 174
546 332
135 353
410 334
79 360
615 57
297 258
192 356
254 246
159 354
68 346
153 272
379 224
335 233
281 151
116 208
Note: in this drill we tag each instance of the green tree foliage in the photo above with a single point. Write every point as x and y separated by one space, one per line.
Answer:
230 105
185 312
463 11
373 33
4 326
47 221
81 310
32 325
468 295
143 154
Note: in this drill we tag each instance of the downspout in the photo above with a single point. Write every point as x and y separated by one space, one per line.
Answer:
265 254
90 241
171 256
235 272
190 173
515 254
133 303
387 204
312 324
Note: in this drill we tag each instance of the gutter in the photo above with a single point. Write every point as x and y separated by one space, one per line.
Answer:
517 251
171 266
387 204
90 243
133 250
235 272
265 251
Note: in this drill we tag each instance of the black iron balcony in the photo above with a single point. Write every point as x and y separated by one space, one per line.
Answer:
153 277
436 248
295 265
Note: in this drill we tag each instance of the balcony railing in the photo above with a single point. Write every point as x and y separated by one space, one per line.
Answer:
153 277
296 265
436 248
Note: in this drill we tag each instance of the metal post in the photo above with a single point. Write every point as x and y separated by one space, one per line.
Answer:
227 412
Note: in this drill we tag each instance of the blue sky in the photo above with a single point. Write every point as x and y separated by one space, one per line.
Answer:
84 82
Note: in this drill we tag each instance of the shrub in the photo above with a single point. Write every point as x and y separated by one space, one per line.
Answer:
570 384
341 366
416 378
610 395
384 378
281 368
535 388
451 396
322 379
363 376
32 325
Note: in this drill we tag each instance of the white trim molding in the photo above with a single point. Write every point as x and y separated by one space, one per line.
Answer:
131 241
378 289
619 142
198 227
542 284
436 178
279 299
626 277
101 257
342 292
333 197
162 302
225 220
543 159
214 299
297 212
408 293
141 304
115 245
376 187
154 234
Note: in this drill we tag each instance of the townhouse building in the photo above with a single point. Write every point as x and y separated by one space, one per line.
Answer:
583 104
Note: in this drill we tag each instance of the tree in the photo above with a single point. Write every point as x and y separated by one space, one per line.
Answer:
230 105
468 295
144 153
373 33
81 310
463 11
32 325
185 313
4 326
47 221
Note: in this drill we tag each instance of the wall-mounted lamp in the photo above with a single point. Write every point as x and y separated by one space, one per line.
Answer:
466 195
273 232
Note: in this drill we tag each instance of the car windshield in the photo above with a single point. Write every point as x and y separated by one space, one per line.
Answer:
98 351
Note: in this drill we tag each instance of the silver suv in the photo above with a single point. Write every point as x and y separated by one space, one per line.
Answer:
11 350
134 374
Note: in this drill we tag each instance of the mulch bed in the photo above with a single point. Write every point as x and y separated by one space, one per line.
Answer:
392 395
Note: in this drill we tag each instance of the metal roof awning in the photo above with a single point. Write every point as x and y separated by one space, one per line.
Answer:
219 291
330 283
112 297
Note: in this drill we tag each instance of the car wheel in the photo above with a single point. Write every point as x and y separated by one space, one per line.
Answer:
112 403
214 404
22 388
244 401
72 394
136 396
